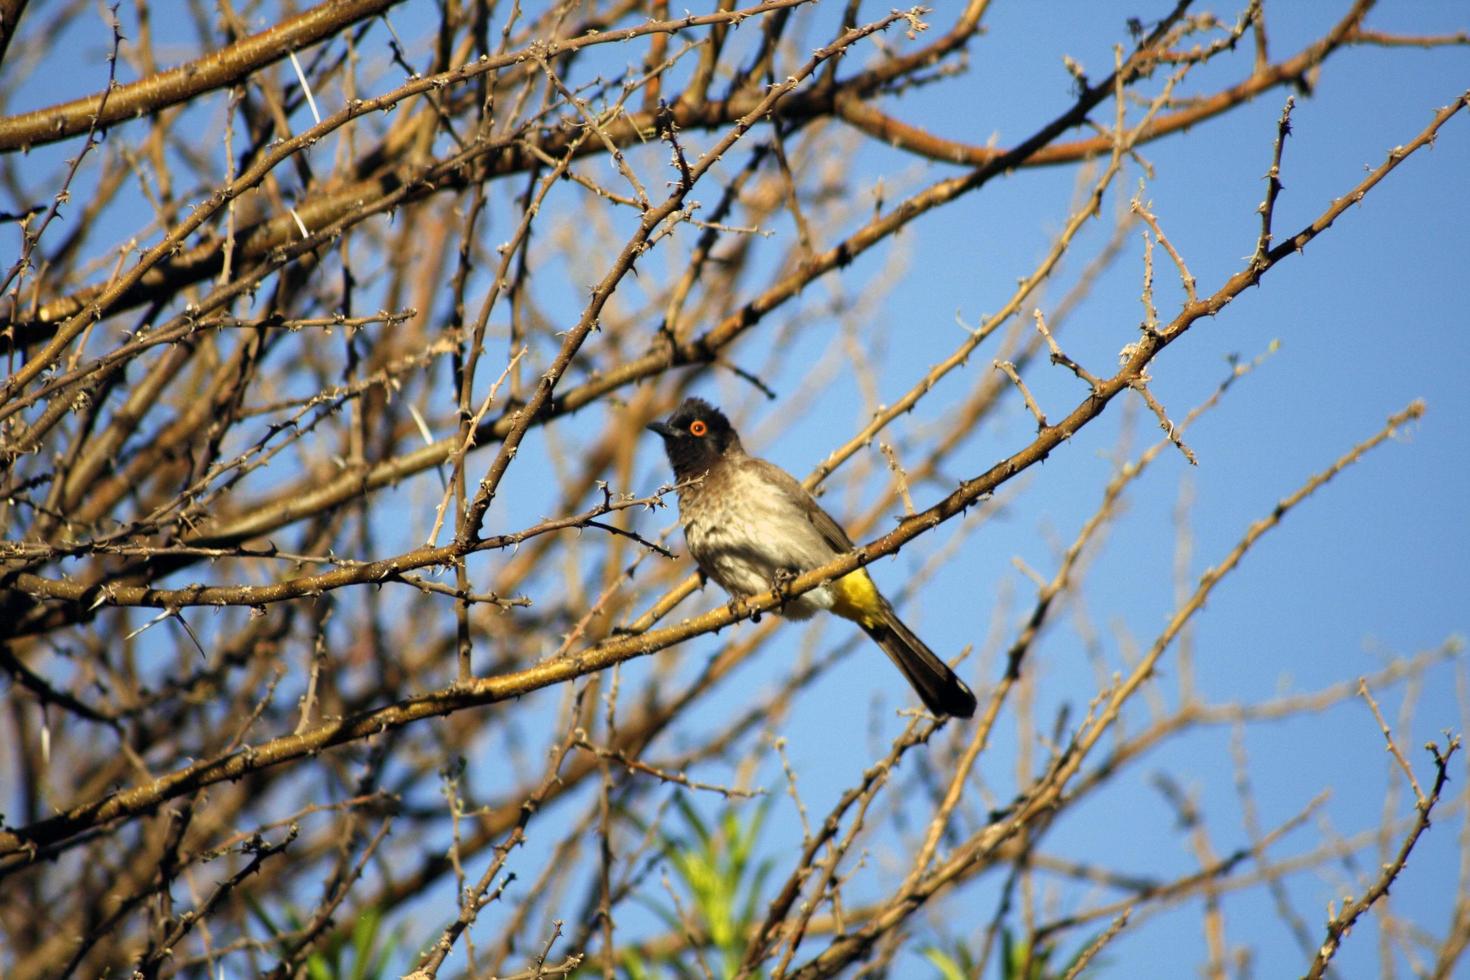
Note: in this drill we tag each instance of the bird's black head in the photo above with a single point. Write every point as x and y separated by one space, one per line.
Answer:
695 436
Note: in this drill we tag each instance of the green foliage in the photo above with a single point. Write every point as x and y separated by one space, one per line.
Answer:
949 967
720 887
362 954
1022 961
1019 960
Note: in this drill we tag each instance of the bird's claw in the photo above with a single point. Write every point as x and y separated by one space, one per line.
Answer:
736 605
781 583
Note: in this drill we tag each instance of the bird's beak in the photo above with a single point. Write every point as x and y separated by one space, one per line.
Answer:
662 428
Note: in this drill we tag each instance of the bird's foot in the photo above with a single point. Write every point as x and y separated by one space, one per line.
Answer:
781 583
736 605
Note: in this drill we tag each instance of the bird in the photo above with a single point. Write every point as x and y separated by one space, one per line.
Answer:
751 527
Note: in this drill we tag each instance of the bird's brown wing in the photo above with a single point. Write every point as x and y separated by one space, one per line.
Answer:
828 528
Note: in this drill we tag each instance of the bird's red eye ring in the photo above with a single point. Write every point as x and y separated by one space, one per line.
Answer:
698 428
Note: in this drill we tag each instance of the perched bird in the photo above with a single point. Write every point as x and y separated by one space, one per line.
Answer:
752 526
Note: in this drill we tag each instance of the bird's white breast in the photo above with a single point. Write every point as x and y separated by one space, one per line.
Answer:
748 532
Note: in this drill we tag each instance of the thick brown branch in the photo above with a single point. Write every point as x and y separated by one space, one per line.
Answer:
218 70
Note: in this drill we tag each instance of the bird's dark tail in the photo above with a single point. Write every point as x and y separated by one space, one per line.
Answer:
942 692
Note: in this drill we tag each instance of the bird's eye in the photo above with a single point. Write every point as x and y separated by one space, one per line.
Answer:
698 428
